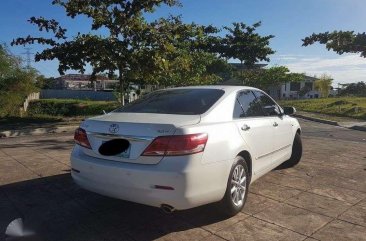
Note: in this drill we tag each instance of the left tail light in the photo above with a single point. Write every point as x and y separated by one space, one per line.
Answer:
81 138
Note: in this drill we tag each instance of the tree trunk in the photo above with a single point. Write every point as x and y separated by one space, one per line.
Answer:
121 87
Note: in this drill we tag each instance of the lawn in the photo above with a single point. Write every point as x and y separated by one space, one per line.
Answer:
353 107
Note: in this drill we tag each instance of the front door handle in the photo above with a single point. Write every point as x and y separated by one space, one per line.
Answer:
245 127
275 124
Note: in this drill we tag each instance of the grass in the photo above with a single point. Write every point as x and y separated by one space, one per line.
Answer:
352 107
48 112
70 108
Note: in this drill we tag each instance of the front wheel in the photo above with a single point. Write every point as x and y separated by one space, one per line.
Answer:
237 188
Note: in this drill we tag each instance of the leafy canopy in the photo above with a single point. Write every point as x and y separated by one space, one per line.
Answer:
323 85
340 41
264 78
243 43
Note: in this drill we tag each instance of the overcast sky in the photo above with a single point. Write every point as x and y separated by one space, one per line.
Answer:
288 20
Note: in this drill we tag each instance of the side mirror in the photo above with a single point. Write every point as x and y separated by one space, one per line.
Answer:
289 110
272 110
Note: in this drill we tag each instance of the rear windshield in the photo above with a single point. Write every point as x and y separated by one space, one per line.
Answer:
175 101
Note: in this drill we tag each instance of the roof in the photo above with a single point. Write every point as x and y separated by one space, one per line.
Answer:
81 77
240 66
227 88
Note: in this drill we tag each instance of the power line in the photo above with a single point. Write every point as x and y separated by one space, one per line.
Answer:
28 53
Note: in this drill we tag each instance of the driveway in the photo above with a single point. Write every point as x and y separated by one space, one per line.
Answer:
323 198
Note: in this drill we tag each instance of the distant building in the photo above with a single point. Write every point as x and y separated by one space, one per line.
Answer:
295 90
82 82
291 90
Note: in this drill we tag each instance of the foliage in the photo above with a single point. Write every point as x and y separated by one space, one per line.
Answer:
355 89
138 50
323 85
243 43
60 107
15 83
340 41
354 107
264 78
304 90
45 83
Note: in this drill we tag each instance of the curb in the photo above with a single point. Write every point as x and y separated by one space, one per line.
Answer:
329 122
37 131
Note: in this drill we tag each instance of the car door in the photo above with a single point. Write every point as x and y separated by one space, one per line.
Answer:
281 124
255 128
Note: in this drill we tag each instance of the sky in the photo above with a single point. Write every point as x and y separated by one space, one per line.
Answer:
288 20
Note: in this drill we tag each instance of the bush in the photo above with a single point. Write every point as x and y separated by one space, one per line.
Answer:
10 103
69 108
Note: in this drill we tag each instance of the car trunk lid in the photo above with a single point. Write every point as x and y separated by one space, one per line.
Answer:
139 129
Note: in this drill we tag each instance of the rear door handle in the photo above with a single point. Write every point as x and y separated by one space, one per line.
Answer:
245 127
275 124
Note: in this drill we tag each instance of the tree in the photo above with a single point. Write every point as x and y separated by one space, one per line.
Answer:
340 41
15 83
128 35
243 43
356 89
264 78
323 85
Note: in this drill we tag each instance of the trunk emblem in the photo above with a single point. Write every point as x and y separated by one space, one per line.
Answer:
114 128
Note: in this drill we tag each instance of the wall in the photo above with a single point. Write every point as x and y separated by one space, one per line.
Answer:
77 94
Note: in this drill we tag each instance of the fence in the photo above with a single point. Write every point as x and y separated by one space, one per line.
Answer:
31 96
77 94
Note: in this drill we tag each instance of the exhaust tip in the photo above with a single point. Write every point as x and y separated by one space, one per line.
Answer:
167 208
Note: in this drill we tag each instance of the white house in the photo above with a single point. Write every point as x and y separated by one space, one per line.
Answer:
292 90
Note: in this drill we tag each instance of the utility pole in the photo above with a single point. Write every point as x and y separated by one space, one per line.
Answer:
28 53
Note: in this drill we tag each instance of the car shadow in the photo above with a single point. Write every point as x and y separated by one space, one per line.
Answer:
56 209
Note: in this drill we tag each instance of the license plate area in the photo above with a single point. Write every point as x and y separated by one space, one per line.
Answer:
116 148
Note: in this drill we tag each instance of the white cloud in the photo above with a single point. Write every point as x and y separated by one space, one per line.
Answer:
344 69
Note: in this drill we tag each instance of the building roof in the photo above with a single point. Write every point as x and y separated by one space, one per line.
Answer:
240 66
81 77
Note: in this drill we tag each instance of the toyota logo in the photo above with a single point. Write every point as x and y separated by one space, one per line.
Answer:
114 128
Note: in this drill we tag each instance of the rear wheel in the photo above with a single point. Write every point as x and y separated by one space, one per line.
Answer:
237 188
296 153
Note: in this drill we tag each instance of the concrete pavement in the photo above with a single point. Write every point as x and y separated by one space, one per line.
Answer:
323 198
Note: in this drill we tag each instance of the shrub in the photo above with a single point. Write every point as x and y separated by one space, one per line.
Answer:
68 108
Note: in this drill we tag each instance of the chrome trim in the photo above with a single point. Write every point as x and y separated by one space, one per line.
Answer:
112 136
282 148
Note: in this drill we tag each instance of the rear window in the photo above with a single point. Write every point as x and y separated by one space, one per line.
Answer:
175 101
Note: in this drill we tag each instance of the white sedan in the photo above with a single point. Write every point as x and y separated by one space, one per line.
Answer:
184 147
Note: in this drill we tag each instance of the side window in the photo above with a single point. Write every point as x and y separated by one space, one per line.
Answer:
246 105
270 108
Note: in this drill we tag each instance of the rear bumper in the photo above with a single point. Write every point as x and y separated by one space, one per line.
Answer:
194 183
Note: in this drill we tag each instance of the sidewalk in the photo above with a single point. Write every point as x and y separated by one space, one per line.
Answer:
346 122
22 128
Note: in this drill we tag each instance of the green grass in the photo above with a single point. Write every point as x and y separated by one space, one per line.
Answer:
352 107
70 108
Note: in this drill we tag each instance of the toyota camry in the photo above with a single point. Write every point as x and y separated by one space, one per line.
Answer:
184 147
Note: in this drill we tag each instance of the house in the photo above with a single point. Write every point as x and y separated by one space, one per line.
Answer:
82 82
290 90
295 90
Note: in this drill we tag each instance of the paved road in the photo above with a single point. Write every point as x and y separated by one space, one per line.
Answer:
323 198
314 129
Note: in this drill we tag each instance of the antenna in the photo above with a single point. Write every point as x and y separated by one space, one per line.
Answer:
28 53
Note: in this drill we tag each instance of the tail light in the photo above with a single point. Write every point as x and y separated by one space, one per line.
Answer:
81 138
176 145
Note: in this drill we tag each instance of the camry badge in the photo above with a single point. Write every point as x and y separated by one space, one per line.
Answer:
114 128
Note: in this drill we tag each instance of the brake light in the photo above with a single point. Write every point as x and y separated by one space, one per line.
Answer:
81 138
176 145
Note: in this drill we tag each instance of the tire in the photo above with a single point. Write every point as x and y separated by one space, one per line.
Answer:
296 153
233 203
